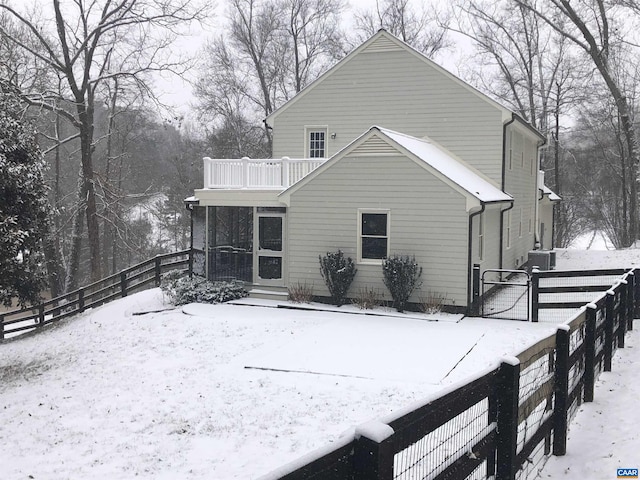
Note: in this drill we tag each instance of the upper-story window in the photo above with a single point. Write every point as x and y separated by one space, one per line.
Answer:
316 138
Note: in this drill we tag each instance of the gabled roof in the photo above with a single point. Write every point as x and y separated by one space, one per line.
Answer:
428 154
550 193
381 41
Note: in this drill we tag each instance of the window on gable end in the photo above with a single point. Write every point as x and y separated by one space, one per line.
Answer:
373 235
316 142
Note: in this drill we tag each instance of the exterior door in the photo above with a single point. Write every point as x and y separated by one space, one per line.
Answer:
270 245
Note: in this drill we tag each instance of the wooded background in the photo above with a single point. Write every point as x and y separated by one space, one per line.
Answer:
118 164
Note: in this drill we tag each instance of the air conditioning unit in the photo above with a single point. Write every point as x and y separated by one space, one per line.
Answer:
540 259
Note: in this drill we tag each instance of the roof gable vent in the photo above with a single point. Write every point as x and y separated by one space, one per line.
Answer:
382 44
373 146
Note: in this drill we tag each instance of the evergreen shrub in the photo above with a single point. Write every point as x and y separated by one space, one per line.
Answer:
179 289
338 273
401 276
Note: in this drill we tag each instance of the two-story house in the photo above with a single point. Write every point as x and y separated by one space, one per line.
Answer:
385 153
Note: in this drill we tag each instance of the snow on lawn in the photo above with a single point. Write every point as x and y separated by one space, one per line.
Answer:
110 394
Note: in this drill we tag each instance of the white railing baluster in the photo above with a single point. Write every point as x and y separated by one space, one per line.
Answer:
256 173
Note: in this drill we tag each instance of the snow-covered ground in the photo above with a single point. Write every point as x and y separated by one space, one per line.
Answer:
233 391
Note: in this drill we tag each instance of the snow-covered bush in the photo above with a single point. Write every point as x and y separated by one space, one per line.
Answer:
401 275
337 272
179 289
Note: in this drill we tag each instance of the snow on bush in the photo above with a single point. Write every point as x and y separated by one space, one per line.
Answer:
180 289
401 276
337 272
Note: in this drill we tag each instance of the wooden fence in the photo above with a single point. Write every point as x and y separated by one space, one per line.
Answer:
502 424
118 285
550 289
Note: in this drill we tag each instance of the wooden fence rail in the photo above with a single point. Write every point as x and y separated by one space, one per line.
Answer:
503 423
118 285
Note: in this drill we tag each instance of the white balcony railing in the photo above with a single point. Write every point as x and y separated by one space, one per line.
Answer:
249 173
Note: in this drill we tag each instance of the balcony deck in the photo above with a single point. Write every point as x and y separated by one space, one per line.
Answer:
257 174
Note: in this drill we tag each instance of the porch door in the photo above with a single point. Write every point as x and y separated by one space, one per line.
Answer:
269 267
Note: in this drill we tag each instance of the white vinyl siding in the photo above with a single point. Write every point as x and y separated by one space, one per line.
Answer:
523 188
396 90
427 219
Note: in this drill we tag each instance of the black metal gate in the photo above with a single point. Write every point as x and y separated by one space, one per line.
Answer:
506 294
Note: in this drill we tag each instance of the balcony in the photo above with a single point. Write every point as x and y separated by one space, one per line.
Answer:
257 174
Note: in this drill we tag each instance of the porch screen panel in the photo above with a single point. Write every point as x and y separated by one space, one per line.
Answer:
231 243
199 240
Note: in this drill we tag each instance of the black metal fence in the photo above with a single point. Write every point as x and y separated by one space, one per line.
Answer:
503 423
141 276
505 294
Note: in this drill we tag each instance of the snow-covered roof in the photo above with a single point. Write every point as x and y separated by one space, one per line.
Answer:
449 165
552 195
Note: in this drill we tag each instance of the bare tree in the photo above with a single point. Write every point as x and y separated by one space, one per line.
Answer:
529 67
269 51
424 29
592 26
80 44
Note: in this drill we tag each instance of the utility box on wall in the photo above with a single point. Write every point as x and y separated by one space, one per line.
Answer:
540 259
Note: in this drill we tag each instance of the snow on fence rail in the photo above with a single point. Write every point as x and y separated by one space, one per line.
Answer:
502 424
115 286
271 173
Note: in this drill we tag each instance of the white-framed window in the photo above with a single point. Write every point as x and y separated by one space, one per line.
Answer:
481 237
373 235
316 141
508 229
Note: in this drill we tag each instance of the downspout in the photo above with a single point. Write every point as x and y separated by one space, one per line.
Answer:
504 174
470 258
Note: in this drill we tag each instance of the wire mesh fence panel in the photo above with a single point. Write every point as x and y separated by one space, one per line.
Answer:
440 448
506 294
531 468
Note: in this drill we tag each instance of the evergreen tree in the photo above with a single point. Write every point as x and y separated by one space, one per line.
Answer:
23 204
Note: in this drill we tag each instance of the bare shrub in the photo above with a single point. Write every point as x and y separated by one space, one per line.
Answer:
367 298
301 293
432 302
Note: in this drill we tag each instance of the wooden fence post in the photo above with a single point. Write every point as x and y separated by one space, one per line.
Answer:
535 300
631 298
590 352
507 393
475 301
158 266
636 298
373 455
561 390
608 330
622 314
1 327
81 300
40 315
123 284
190 263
